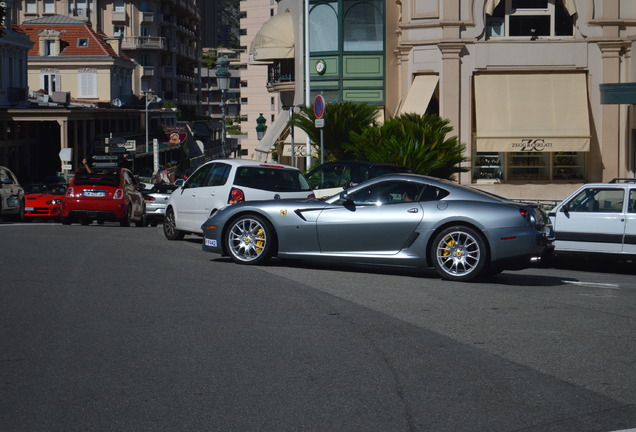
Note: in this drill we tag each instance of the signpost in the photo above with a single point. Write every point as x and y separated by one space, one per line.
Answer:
319 111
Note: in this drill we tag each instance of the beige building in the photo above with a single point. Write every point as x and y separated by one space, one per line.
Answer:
520 80
70 61
159 36
255 97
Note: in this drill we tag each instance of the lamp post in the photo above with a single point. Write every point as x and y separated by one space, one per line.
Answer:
261 128
223 83
150 98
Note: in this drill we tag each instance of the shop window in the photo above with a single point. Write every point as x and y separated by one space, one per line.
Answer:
528 166
363 28
323 27
530 18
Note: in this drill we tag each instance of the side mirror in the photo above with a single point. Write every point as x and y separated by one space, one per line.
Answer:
344 196
565 209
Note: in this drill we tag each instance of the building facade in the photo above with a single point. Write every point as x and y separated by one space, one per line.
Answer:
70 61
519 80
256 100
160 36
14 46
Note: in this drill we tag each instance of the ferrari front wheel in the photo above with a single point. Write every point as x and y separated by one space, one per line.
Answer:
250 240
459 253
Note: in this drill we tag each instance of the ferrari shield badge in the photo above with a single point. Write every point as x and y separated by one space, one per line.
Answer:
283 212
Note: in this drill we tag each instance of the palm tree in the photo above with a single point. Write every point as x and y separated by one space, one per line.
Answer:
416 141
341 118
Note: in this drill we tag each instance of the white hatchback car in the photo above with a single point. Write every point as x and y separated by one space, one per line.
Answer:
597 218
222 182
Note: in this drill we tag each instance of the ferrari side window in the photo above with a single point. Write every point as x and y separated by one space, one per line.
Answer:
388 193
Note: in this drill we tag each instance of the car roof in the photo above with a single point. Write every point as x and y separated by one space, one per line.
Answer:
250 162
458 191
359 162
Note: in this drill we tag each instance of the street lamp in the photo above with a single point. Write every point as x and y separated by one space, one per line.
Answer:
150 98
260 127
223 83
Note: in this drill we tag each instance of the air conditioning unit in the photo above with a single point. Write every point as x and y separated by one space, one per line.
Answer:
60 97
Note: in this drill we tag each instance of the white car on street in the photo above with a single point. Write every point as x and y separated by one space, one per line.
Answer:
597 218
222 182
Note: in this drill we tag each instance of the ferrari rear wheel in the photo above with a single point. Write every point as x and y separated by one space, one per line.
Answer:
459 253
250 240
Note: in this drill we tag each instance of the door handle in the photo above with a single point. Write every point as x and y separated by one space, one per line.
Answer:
412 210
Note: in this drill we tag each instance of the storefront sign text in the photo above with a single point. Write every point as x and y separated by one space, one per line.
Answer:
531 145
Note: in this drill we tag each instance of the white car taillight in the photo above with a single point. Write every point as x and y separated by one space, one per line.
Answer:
119 194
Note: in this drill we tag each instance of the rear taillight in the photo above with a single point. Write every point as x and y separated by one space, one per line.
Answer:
149 198
236 196
119 194
311 196
70 193
528 215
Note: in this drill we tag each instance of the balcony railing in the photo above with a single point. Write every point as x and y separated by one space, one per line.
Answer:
119 16
281 71
143 42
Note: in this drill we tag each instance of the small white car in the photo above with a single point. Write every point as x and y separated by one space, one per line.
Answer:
11 195
597 218
222 182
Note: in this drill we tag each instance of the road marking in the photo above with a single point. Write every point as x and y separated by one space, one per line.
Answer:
593 284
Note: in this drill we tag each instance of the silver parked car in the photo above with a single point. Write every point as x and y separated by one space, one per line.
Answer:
11 195
222 182
156 199
397 219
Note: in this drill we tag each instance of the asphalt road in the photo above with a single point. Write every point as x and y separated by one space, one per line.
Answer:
104 328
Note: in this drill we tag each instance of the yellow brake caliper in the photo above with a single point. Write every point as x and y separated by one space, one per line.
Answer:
260 243
450 244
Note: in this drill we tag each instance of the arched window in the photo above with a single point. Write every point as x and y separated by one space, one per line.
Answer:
363 28
323 25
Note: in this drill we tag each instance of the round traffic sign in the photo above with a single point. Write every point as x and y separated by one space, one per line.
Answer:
319 106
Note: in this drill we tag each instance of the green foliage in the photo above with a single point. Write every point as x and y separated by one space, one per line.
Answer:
208 61
416 141
341 119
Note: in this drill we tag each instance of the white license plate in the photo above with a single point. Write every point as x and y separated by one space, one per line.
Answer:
94 194
210 242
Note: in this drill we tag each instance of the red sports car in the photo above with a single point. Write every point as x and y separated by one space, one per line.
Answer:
109 194
43 201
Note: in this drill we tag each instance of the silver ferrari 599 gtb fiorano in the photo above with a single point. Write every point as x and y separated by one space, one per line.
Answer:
401 219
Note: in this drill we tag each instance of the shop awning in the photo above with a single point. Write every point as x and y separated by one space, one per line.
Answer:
532 112
492 4
275 39
419 94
